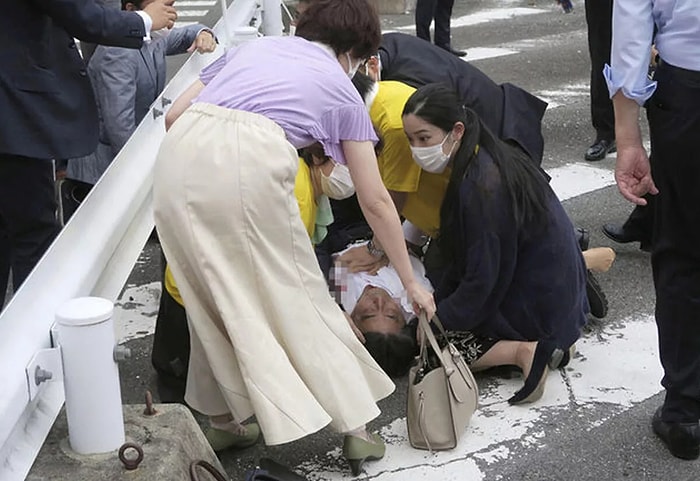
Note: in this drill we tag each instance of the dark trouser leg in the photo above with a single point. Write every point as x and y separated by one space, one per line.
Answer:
425 11
5 260
27 213
443 15
674 119
641 221
599 20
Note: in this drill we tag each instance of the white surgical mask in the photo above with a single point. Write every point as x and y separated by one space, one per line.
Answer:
432 159
339 184
352 69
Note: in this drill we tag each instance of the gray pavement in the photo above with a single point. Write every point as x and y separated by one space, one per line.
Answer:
593 423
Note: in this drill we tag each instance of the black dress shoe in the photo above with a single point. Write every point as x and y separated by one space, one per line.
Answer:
624 236
458 53
597 301
583 237
600 149
681 439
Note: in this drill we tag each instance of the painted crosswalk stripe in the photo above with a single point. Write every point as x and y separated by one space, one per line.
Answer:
572 180
196 3
483 53
185 24
192 13
485 16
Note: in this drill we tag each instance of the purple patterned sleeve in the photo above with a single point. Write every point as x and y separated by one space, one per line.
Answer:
349 122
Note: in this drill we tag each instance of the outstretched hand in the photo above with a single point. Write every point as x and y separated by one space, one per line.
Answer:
633 174
422 300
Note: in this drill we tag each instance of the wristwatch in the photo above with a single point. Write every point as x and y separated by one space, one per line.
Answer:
374 250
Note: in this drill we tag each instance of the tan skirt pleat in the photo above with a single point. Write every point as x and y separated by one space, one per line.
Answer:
267 338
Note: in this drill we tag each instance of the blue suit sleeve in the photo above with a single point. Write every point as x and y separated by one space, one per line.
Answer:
92 22
181 38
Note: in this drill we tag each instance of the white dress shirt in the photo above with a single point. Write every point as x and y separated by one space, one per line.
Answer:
677 40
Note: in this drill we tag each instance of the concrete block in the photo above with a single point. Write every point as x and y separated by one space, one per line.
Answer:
171 440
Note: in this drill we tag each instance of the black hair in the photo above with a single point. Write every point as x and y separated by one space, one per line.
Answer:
521 179
344 25
393 352
136 3
363 83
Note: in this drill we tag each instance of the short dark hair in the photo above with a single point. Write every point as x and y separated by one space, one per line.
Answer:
136 3
344 25
363 83
393 352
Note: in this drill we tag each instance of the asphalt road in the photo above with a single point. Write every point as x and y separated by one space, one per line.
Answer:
594 421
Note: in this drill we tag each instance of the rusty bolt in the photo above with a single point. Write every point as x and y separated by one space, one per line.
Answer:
130 463
150 410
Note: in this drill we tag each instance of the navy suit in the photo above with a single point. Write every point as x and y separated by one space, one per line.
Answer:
508 111
48 112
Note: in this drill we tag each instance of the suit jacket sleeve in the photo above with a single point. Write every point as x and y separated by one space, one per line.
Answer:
180 39
91 22
115 86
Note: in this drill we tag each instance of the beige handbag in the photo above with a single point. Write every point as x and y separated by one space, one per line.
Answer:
442 393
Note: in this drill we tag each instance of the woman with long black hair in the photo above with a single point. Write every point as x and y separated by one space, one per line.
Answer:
506 266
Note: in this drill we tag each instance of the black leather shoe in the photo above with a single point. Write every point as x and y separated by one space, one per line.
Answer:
583 237
681 439
600 149
458 53
621 235
597 301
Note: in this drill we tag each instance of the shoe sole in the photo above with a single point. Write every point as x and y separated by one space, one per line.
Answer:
597 301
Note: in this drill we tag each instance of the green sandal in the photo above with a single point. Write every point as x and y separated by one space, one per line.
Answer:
220 439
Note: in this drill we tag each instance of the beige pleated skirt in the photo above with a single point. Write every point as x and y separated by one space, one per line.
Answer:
267 338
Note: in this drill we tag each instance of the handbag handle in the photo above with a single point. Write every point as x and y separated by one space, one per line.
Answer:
428 333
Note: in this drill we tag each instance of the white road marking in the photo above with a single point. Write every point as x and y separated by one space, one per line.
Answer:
572 180
481 53
593 377
564 95
191 13
195 3
485 16
185 24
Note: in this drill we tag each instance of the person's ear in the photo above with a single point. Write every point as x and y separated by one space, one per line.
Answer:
458 131
130 7
373 68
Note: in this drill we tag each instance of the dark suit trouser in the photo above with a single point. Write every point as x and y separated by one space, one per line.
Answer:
599 20
674 124
27 216
641 221
441 12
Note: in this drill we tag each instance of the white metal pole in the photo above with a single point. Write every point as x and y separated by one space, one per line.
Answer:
272 17
91 376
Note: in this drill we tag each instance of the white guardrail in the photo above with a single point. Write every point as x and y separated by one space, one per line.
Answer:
92 256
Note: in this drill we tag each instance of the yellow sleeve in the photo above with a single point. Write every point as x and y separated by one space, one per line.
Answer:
304 192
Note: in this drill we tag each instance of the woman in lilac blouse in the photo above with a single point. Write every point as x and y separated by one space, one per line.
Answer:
267 338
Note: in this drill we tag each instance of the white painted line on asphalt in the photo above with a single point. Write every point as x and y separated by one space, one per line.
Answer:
572 180
482 53
195 3
136 311
485 16
564 95
185 24
192 13
595 377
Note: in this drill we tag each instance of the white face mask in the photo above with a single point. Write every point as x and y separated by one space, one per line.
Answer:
339 184
433 159
352 69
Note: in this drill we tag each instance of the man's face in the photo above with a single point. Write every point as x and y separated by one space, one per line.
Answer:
376 311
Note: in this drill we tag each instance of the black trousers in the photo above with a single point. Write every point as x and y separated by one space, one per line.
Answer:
641 222
27 216
674 125
441 12
599 20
